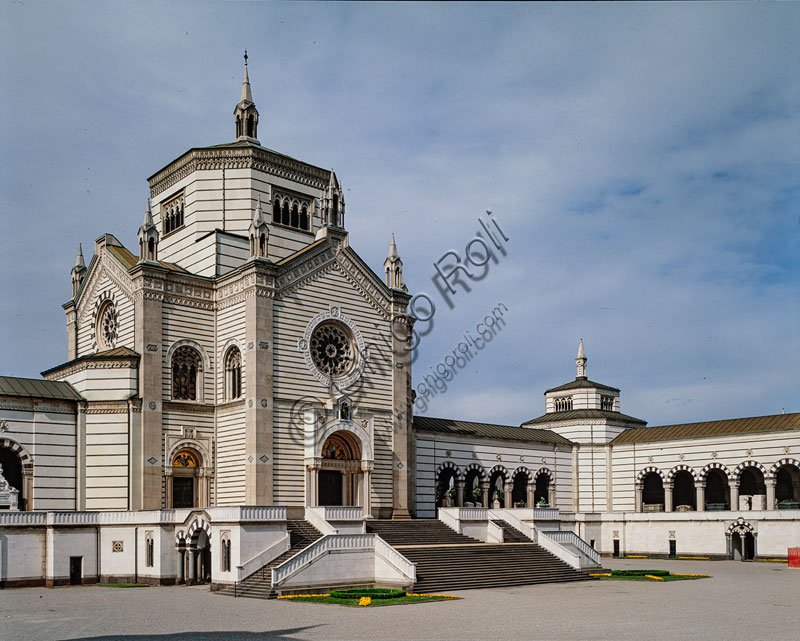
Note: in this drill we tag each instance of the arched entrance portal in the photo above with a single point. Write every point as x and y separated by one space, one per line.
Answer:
339 477
446 487
11 474
18 472
741 540
187 481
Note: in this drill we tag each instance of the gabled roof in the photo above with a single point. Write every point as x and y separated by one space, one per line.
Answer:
581 383
109 354
490 430
577 414
773 423
129 260
35 388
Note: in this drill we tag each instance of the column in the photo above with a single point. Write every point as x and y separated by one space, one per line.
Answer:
529 498
755 545
27 488
168 486
192 566
638 506
771 493
508 489
700 496
182 565
459 493
485 494
403 474
367 500
729 544
668 497
734 487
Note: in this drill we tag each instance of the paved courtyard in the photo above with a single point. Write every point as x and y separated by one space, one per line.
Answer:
741 601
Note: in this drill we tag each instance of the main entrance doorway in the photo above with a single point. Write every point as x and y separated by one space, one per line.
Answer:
330 487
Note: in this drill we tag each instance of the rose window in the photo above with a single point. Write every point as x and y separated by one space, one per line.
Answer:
332 350
108 326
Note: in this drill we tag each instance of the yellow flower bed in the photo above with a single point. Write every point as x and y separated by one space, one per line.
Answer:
300 596
600 575
441 596
701 576
654 577
694 558
636 556
365 600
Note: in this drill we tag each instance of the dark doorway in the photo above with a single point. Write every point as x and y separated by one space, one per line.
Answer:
12 472
75 570
717 493
673 547
684 496
330 487
541 493
519 493
182 491
616 548
749 547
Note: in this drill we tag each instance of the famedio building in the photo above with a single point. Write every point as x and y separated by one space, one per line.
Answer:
237 395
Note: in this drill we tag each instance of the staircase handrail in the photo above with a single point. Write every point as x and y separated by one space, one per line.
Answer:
494 533
567 536
557 549
255 563
472 513
343 513
328 543
514 521
400 562
316 516
450 517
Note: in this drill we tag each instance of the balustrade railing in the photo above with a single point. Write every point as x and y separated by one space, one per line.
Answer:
328 543
566 537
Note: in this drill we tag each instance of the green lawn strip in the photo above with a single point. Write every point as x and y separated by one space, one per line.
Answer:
122 585
354 602
644 578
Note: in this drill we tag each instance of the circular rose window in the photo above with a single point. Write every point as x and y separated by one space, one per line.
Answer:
107 326
331 348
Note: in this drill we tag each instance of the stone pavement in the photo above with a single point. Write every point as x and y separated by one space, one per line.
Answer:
742 601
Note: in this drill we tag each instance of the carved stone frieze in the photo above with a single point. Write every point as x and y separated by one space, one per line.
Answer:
196 408
107 407
130 362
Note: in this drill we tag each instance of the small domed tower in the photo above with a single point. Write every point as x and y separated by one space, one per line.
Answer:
148 238
245 114
259 234
78 272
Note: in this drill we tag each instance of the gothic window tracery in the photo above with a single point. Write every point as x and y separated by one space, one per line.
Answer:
291 212
233 374
607 403
185 369
332 350
172 214
563 404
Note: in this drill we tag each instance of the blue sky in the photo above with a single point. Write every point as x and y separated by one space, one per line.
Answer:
643 160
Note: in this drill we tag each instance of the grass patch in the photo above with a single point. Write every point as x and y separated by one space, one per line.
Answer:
647 575
357 600
122 585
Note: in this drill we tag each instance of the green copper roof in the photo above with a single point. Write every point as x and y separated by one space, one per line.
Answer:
727 427
569 415
35 388
489 430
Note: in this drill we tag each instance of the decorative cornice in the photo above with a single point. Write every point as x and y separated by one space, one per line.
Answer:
188 406
256 158
107 407
87 362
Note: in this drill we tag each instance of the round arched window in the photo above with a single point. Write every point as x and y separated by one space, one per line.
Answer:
107 325
332 350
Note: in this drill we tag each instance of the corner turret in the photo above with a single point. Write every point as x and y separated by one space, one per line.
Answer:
259 234
394 269
78 272
148 238
245 114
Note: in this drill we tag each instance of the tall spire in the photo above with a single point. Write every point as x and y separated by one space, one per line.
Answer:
79 263
580 361
247 94
245 114
78 272
393 267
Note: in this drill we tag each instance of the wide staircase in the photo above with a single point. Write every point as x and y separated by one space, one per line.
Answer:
447 560
259 584
511 534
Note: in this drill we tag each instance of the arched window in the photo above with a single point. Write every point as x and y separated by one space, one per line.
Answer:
238 126
563 404
186 366
304 218
276 211
225 557
233 374
250 126
653 493
11 471
295 221
148 550
286 217
335 211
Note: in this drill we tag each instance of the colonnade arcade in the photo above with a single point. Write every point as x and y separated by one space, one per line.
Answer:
499 487
17 470
194 553
750 486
